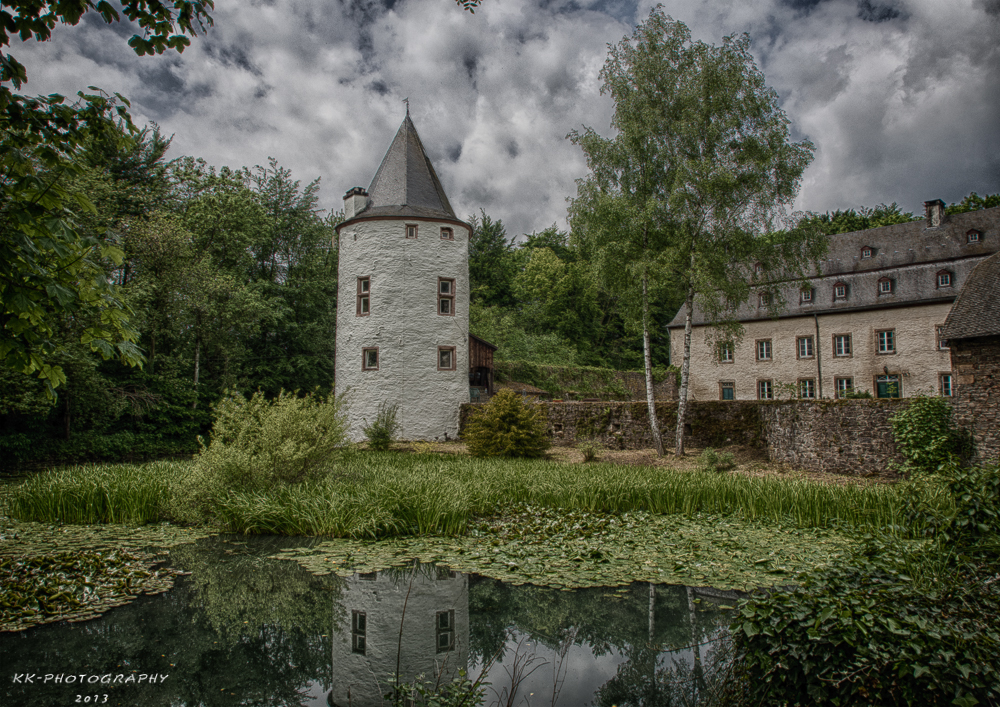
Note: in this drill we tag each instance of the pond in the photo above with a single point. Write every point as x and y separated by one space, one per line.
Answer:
246 628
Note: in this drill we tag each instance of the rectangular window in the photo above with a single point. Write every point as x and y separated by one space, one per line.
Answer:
946 385
841 344
765 299
446 296
942 343
973 236
369 359
364 296
844 386
446 358
445 630
805 346
944 279
839 291
887 386
725 352
884 286
763 349
886 341
764 391
807 295
727 391
411 230
807 388
447 234
359 632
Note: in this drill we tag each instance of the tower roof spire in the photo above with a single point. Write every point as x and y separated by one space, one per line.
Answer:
406 183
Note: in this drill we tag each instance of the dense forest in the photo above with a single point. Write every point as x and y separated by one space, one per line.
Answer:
229 276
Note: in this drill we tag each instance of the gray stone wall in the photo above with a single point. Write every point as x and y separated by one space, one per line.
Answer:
976 363
838 436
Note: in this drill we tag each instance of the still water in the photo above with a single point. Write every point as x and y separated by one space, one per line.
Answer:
246 629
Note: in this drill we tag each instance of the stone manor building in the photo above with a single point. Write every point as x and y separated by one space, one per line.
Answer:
871 318
403 298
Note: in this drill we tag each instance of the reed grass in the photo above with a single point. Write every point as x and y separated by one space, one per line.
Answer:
132 494
384 494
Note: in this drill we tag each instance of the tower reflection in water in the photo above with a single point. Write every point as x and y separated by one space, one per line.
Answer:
643 644
410 621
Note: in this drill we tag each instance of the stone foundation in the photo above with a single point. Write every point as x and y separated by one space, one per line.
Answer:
851 437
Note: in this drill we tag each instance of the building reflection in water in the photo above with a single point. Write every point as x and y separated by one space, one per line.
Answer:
414 620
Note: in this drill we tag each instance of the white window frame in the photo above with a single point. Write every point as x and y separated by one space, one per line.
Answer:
946 385
763 347
844 385
842 346
765 389
804 347
807 388
726 352
885 341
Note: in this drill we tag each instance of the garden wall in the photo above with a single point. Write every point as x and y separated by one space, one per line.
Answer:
577 382
838 436
977 392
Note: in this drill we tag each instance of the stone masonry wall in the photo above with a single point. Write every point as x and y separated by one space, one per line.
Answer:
842 436
976 363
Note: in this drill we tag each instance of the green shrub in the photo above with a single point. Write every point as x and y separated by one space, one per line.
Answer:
507 427
865 634
924 434
590 449
382 432
258 444
857 395
714 460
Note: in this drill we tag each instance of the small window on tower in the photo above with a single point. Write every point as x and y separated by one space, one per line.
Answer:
411 230
446 296
446 358
364 296
447 234
369 359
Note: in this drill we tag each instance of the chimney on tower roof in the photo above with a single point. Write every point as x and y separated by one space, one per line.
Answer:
355 201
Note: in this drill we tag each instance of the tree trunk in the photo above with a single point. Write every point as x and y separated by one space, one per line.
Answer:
152 352
197 357
654 425
66 414
685 369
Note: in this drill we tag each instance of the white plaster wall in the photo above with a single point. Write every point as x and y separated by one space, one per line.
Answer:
917 360
404 325
363 677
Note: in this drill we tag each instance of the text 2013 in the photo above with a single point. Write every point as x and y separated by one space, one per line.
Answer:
93 699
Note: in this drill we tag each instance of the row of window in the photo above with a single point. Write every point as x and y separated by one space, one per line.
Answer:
444 631
885 342
445 296
841 290
886 386
447 234
446 359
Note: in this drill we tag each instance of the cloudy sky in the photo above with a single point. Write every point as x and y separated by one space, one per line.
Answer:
900 97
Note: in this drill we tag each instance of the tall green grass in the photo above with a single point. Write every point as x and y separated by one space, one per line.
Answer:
373 495
384 494
100 493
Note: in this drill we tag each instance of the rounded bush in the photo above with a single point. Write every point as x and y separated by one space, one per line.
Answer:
507 427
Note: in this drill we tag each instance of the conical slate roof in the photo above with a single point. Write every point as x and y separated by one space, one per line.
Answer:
405 183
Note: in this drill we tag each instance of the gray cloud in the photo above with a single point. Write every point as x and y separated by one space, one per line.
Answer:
901 106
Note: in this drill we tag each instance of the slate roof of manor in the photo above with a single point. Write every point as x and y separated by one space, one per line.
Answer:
406 183
909 254
976 312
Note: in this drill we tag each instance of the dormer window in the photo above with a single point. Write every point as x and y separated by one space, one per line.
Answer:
765 299
973 236
806 295
885 286
840 290
758 269
944 278
867 252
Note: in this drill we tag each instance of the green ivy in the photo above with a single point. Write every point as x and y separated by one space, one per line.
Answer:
925 436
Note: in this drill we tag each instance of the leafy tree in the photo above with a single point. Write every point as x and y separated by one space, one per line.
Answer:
856 220
974 202
491 262
691 189
49 269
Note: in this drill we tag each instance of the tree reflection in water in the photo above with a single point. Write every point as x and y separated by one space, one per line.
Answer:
248 629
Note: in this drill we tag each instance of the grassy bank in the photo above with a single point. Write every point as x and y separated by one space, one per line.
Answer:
369 494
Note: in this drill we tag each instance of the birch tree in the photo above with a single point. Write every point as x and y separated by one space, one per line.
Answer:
694 188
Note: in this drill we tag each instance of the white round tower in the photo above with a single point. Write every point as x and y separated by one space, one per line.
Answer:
403 298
